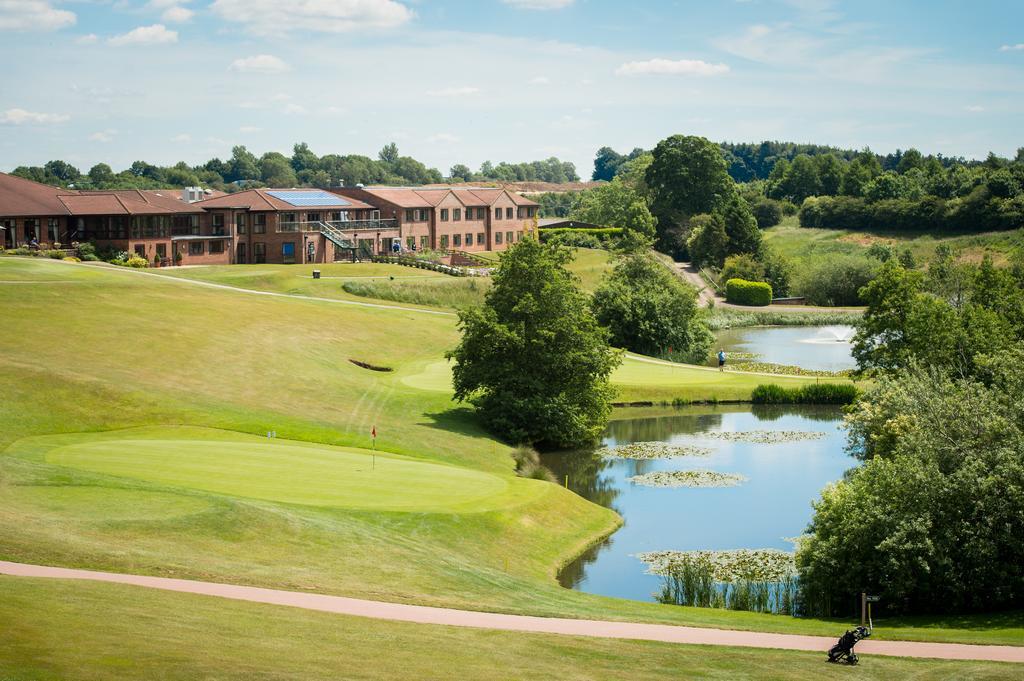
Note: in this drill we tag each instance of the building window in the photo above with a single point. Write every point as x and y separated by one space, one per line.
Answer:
140 250
458 240
216 247
31 229
313 217
424 245
408 215
508 213
457 214
423 216
497 213
508 237
259 253
444 241
519 236
444 215
469 239
240 223
497 238
259 223
52 229
288 252
241 254
481 238
195 248
218 223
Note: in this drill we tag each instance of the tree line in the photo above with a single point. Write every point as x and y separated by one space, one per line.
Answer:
244 170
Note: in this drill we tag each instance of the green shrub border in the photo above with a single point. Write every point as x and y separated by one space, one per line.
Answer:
743 292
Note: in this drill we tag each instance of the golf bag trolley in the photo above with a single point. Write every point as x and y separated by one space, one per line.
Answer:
843 650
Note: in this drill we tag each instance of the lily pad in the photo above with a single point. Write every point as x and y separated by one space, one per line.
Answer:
653 450
764 437
759 565
692 478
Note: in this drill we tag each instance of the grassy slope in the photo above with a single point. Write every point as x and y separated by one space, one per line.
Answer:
105 350
796 242
60 630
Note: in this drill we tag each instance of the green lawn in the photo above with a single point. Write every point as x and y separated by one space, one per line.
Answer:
799 243
86 350
375 281
62 630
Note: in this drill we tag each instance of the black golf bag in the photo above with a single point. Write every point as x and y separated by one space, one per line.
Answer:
843 650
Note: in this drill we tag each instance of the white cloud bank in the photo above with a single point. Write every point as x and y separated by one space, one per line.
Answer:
157 34
176 14
19 116
33 15
1012 48
260 63
454 91
677 67
271 17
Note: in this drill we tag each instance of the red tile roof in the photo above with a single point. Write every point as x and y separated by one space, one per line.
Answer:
423 197
25 198
111 204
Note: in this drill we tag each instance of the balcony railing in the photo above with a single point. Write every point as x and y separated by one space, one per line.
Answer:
342 225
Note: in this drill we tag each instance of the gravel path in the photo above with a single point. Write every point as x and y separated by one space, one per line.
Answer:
544 625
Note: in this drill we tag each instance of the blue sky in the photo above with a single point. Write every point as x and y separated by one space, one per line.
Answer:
515 80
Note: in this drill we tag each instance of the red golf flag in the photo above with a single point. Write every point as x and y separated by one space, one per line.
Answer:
374 431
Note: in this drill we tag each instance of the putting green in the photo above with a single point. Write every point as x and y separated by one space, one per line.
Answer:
290 472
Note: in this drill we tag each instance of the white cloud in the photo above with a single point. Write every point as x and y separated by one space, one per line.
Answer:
1012 48
163 4
454 91
177 14
260 63
974 108
446 137
540 80
538 4
104 136
293 108
87 39
19 116
248 129
183 138
688 67
33 15
272 17
157 34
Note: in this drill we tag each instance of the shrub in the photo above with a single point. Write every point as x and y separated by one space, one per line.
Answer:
87 251
574 240
71 258
741 292
742 266
603 235
835 280
812 393
53 253
767 212
136 261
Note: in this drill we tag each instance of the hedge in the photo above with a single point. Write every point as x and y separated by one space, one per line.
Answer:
602 234
976 213
812 393
743 292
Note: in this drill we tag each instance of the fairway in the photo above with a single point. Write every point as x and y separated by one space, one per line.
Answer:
294 473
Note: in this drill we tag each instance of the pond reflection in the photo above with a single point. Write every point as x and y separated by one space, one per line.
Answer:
772 505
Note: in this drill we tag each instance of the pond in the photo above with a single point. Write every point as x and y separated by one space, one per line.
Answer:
818 348
770 506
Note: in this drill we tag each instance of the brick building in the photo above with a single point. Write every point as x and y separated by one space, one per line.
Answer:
265 225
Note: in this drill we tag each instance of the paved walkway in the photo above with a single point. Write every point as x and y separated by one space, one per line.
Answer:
543 625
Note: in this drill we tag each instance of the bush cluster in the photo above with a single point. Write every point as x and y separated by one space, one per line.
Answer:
979 212
812 393
603 235
835 279
742 292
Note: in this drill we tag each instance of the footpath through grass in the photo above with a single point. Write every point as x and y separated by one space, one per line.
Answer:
62 629
85 350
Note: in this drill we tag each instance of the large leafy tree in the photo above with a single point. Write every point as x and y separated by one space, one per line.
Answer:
649 310
616 205
932 521
687 176
533 359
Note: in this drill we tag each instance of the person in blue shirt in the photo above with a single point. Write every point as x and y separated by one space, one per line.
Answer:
721 360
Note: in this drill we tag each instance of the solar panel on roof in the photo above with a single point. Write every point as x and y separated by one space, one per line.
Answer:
310 198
